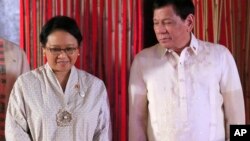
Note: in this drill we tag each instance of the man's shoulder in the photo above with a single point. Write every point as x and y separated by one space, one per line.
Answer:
148 52
8 45
86 76
211 46
12 48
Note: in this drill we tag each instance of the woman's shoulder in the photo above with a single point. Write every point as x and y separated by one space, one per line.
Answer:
32 75
88 77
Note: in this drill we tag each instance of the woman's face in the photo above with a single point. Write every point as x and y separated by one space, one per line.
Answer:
61 51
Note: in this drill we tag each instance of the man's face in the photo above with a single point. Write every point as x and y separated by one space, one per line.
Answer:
171 31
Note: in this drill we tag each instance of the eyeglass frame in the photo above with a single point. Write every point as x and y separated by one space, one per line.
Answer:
58 51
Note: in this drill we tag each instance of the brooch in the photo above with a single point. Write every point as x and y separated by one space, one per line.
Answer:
63 118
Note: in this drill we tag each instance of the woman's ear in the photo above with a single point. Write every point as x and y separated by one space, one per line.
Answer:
44 52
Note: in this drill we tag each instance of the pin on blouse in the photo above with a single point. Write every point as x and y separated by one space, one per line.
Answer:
63 118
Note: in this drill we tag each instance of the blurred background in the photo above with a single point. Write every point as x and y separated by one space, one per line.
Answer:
115 30
9 21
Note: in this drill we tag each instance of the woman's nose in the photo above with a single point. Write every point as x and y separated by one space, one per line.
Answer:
62 53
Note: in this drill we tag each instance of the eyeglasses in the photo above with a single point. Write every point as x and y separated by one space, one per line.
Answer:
58 51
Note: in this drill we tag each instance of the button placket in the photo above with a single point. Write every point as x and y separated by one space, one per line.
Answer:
182 89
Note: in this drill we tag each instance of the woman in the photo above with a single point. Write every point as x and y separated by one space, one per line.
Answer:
58 102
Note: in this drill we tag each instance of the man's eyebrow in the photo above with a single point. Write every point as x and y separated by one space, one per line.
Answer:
162 19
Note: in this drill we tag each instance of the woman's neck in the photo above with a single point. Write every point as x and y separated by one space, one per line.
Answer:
62 77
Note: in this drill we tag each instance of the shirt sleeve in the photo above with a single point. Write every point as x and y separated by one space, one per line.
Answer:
232 93
138 111
16 127
103 131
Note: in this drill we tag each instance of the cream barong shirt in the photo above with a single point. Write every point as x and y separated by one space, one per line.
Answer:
191 97
37 99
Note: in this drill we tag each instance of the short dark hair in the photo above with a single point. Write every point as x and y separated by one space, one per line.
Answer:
60 23
182 7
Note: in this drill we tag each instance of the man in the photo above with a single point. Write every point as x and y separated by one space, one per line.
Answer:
13 62
183 89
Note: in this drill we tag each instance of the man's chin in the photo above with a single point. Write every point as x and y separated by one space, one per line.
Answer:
165 45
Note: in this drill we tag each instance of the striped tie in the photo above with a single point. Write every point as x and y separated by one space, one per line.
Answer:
2 90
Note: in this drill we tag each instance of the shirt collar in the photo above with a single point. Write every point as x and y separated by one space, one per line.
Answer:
161 50
193 45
